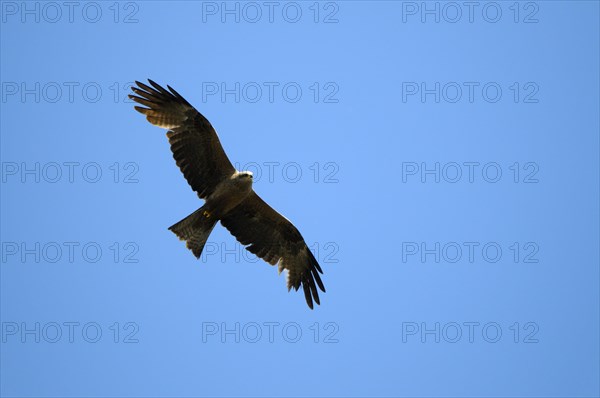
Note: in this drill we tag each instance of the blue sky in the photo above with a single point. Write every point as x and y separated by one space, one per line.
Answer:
441 159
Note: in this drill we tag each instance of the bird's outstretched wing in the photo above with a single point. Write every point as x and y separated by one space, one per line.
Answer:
274 238
194 142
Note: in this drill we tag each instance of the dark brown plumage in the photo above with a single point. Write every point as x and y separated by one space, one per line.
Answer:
229 196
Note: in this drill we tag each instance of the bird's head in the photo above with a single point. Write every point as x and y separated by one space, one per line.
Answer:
244 177
244 174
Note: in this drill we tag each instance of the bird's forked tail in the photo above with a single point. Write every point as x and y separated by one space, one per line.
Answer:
195 229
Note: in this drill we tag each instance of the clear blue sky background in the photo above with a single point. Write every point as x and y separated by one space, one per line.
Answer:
382 141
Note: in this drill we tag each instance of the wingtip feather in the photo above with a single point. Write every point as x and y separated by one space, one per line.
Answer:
307 295
141 110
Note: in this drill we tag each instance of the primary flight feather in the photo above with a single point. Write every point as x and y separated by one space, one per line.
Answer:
228 193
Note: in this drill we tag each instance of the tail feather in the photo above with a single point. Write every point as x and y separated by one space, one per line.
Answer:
195 230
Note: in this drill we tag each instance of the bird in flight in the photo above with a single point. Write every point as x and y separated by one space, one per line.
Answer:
228 193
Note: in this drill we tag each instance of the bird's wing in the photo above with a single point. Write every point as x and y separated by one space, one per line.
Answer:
194 142
274 238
